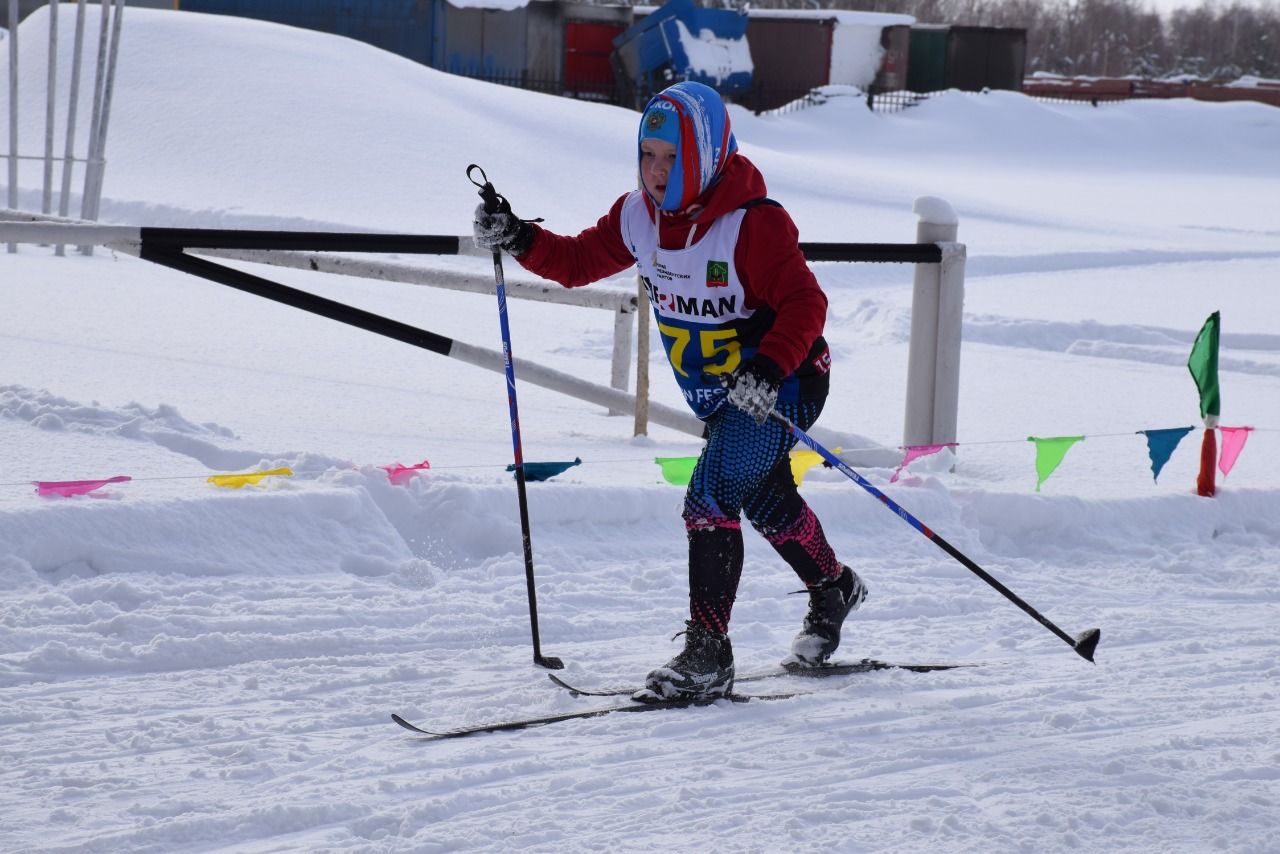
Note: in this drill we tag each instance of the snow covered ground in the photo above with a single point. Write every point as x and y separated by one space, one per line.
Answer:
188 668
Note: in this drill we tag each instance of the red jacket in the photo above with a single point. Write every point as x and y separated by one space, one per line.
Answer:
767 257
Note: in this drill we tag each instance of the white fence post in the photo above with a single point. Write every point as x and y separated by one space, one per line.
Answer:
620 365
937 312
642 360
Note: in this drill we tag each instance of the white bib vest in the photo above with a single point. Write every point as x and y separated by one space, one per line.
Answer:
697 298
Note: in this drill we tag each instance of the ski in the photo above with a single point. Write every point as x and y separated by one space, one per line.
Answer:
631 706
835 668
844 668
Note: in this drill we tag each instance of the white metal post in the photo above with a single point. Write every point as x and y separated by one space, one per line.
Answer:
68 156
13 110
100 163
99 81
46 200
937 304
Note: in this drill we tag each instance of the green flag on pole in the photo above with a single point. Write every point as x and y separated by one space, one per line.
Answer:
1203 365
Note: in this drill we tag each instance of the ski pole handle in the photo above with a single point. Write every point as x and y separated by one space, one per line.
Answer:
493 201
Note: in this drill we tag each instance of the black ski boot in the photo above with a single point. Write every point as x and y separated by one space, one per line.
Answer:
703 670
829 603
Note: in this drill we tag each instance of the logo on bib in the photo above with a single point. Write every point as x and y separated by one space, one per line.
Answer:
717 274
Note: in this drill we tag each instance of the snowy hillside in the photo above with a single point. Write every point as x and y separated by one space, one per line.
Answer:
185 667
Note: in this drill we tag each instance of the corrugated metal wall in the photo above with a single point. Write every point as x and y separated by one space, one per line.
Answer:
517 46
484 43
987 58
791 57
405 27
966 58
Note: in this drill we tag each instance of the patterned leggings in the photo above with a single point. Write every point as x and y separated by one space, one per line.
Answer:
745 468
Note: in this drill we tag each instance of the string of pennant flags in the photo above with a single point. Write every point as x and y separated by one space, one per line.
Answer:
1049 451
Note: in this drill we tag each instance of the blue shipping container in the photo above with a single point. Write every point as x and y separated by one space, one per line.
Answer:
654 55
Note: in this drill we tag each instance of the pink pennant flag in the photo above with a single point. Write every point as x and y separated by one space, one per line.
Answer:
68 488
915 452
1233 439
400 475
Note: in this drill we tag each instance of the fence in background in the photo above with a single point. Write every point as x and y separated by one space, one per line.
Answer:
104 83
1101 90
937 302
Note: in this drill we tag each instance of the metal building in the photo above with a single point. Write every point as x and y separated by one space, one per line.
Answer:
549 45
796 51
967 58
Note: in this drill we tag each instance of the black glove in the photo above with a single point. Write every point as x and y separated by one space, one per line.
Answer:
502 230
755 388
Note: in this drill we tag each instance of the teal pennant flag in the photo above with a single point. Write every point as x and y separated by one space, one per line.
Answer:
545 471
1160 445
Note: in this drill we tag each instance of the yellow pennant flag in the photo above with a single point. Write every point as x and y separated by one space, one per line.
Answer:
802 461
235 481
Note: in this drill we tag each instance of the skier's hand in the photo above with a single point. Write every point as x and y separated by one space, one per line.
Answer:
755 388
501 230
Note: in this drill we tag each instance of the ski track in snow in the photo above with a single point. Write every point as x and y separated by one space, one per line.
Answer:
174 704
186 668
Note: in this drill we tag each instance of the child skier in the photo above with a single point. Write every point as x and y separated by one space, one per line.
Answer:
734 300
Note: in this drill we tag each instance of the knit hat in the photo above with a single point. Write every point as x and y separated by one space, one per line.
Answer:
661 122
692 117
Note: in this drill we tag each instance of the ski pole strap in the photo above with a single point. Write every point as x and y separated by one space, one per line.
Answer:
493 202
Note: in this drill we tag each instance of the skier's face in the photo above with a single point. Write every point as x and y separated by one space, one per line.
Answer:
657 158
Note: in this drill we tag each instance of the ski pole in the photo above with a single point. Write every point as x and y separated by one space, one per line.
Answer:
492 203
1084 644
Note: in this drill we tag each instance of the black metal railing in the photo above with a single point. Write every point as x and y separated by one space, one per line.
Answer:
763 98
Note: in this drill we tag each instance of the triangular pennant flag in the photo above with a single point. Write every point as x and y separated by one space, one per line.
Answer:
545 471
915 452
400 475
1233 439
802 461
1160 445
68 488
1203 365
677 470
1049 454
235 481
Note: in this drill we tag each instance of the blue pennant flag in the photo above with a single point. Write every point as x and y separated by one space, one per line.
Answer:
1160 445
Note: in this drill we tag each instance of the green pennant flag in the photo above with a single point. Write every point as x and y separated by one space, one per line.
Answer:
1203 365
1049 454
677 470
